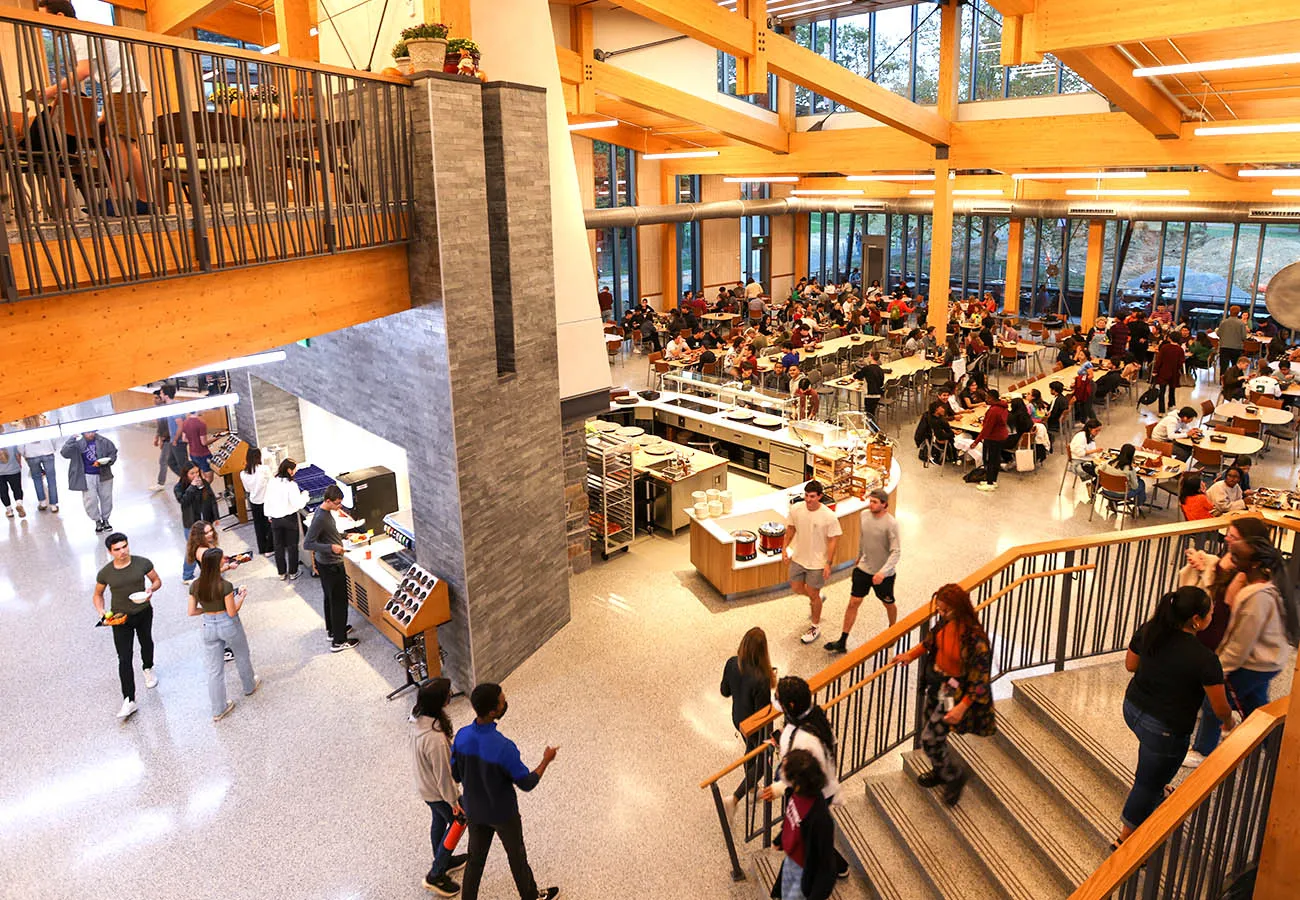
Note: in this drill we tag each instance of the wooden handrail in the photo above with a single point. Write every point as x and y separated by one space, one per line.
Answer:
1170 814
138 36
761 748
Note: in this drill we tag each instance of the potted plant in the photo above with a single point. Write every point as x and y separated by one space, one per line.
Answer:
265 99
402 57
427 45
454 48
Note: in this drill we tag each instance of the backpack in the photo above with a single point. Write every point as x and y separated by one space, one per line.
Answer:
974 475
1149 396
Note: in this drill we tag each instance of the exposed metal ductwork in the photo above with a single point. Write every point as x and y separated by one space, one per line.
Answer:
632 216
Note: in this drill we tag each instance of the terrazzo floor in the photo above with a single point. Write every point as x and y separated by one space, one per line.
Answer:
305 791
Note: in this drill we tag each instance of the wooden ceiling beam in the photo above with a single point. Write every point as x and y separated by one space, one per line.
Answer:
703 20
174 16
1059 25
242 23
1112 75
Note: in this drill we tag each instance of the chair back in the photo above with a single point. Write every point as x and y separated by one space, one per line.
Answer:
78 116
1209 459
709 369
1231 429
1112 483
662 367
1164 448
1009 353
1150 427
655 357
1207 408
1270 402
1249 427
1250 347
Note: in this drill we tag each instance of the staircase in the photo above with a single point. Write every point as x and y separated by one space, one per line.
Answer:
1036 818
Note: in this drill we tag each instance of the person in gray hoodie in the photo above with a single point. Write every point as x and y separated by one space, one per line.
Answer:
1256 645
431 735
90 471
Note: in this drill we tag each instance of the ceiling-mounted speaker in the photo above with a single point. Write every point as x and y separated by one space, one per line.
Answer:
1283 296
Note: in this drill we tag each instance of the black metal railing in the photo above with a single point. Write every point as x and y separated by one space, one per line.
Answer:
1040 608
127 157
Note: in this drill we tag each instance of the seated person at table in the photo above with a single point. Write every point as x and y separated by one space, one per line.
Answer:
650 332
677 322
800 334
1245 463
946 396
933 426
1109 381
1285 377
975 348
1084 450
1019 421
676 348
1131 369
707 357
758 341
1008 333
1038 407
1199 351
974 391
1123 465
1234 380
690 320
789 358
1192 499
914 343
1176 424
1226 495
696 339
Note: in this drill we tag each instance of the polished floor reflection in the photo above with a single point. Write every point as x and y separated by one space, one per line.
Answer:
305 790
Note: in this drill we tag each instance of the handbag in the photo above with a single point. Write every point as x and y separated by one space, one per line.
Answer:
1025 459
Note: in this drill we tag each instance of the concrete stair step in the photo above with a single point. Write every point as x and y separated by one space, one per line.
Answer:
1091 795
767 866
890 868
940 855
1092 722
1010 859
1070 847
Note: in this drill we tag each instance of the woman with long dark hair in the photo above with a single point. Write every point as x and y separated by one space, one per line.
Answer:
1123 466
807 834
1257 640
255 477
283 501
431 736
806 728
958 693
748 679
1173 672
217 601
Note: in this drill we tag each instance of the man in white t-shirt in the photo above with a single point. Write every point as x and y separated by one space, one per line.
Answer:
811 534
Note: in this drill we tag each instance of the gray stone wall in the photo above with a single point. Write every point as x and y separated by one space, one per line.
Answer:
577 529
483 441
275 418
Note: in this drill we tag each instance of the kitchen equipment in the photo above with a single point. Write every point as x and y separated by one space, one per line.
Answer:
694 405
701 510
658 450
373 493
648 395
763 420
715 508
746 545
725 497
771 537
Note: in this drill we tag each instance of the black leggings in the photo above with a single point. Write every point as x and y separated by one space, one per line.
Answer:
137 626
12 483
284 534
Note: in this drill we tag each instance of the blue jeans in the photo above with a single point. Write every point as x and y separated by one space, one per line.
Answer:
219 632
44 479
1160 753
1139 493
189 566
441 821
791 880
1252 693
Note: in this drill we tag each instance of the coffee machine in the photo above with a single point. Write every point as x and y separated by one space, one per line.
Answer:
369 495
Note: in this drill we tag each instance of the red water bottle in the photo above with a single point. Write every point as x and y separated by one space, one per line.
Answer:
454 831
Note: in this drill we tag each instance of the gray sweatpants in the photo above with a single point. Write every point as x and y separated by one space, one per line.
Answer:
98 497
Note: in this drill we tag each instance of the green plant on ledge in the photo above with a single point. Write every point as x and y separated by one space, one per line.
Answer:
455 45
400 51
426 30
225 94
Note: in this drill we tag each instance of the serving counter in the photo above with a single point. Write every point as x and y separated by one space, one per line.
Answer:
372 583
713 548
673 486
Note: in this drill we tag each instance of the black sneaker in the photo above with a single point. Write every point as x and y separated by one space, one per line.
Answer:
837 647
929 779
229 655
346 645
457 862
442 886
952 791
549 894
107 527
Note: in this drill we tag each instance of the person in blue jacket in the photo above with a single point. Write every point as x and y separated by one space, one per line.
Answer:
488 767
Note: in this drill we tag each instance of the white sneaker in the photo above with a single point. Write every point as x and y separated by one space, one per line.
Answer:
9 512
187 581
128 707
812 634
42 505
158 487
257 683
150 679
984 486
1192 760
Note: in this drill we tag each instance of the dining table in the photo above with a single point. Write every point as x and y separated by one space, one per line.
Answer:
1030 349
1149 465
828 347
1267 415
1235 445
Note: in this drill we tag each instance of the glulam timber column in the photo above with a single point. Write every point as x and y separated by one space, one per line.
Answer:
941 247
466 381
1015 264
1092 274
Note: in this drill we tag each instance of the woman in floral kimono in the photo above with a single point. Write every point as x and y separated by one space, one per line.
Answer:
958 695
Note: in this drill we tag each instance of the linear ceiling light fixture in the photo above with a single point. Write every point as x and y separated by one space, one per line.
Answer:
681 154
831 192
1075 176
584 126
238 362
1128 192
131 417
763 179
977 192
923 176
1224 130
269 49
1286 192
1218 65
1269 173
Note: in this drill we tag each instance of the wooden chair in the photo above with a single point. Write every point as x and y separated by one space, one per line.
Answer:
1150 427
1250 347
1249 427
1113 489
1231 429
1072 467
1036 331
661 369
1207 410
1289 431
1164 448
1210 462
653 358
218 154
1270 402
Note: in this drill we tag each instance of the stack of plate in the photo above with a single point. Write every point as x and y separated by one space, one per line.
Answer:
630 431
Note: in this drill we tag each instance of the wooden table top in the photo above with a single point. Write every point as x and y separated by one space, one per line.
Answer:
1236 445
827 347
1269 415
1165 468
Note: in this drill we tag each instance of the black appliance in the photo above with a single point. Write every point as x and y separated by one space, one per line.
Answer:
374 495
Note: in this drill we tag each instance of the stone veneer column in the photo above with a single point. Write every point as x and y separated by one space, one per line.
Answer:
466 381
577 529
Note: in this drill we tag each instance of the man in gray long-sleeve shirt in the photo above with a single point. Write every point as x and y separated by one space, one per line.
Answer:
1231 331
878 552
324 540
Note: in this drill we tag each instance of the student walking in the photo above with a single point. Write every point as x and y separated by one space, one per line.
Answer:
807 836
488 767
879 549
40 465
165 436
217 601
90 471
431 735
198 508
125 576
11 480
812 532
748 679
255 477
282 503
324 540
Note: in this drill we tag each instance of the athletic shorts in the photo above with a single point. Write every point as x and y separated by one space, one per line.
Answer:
203 462
862 585
813 577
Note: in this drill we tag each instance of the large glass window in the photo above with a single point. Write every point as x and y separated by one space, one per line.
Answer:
755 239
1281 248
892 42
614 170
727 83
688 239
925 50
